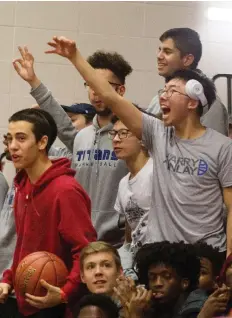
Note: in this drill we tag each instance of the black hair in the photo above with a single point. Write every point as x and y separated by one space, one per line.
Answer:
179 256
89 117
111 61
115 118
105 303
208 85
42 121
212 254
187 41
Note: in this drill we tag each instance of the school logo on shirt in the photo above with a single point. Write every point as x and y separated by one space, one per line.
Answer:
186 165
103 157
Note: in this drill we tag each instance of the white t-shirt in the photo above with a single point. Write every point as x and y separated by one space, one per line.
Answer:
134 201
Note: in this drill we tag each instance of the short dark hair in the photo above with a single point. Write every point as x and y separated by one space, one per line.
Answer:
105 303
88 118
187 41
212 254
42 121
208 85
111 61
179 256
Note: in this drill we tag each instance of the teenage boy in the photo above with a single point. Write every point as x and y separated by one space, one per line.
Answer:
132 202
97 168
211 263
170 271
192 174
81 114
181 48
58 225
101 270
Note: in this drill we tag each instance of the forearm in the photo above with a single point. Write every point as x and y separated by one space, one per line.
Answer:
229 232
44 98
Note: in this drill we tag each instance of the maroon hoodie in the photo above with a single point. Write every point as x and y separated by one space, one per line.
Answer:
53 215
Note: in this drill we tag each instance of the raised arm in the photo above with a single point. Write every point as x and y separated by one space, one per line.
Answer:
124 109
25 69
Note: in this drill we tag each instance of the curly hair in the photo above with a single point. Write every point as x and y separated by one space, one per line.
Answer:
179 256
101 301
111 61
212 254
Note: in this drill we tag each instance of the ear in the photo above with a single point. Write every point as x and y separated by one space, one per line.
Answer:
188 60
193 104
184 284
42 144
82 277
121 90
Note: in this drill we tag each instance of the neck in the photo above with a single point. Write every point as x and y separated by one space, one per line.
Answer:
104 120
135 164
38 168
191 128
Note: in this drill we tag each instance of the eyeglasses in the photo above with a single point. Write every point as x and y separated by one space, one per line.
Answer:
169 92
122 133
86 85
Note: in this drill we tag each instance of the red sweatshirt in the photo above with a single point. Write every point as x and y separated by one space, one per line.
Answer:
51 215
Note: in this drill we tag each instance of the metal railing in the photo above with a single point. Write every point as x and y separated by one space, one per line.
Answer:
229 79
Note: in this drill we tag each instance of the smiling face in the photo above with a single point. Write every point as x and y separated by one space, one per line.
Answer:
100 272
169 58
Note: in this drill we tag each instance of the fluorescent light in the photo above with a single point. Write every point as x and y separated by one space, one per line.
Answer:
219 14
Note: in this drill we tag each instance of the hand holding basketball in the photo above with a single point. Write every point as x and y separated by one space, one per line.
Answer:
4 292
52 298
63 47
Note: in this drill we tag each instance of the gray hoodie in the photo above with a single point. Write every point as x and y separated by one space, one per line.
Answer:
97 168
7 232
3 189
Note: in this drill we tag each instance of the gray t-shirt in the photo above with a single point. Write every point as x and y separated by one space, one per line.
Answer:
188 177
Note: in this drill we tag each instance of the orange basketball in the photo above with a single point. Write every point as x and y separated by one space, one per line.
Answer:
37 266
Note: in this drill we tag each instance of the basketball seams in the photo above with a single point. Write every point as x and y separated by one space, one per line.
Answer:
23 271
54 267
47 262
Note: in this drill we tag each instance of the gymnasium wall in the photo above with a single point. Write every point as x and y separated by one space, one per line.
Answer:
130 28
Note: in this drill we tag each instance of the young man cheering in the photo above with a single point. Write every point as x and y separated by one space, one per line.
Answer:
192 174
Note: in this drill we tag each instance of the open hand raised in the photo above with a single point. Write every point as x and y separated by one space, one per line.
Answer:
63 47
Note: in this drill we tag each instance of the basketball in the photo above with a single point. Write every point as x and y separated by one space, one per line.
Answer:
37 266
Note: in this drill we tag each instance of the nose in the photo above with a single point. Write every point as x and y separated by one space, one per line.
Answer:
160 55
98 270
12 145
116 138
158 283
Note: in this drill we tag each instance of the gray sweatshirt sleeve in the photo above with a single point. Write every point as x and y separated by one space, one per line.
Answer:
217 118
3 189
59 152
66 130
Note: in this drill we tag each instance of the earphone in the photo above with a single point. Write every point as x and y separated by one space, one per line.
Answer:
195 90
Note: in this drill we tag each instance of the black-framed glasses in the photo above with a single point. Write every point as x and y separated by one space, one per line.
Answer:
169 92
86 85
122 133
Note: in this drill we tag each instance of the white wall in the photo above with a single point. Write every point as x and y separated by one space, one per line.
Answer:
131 28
